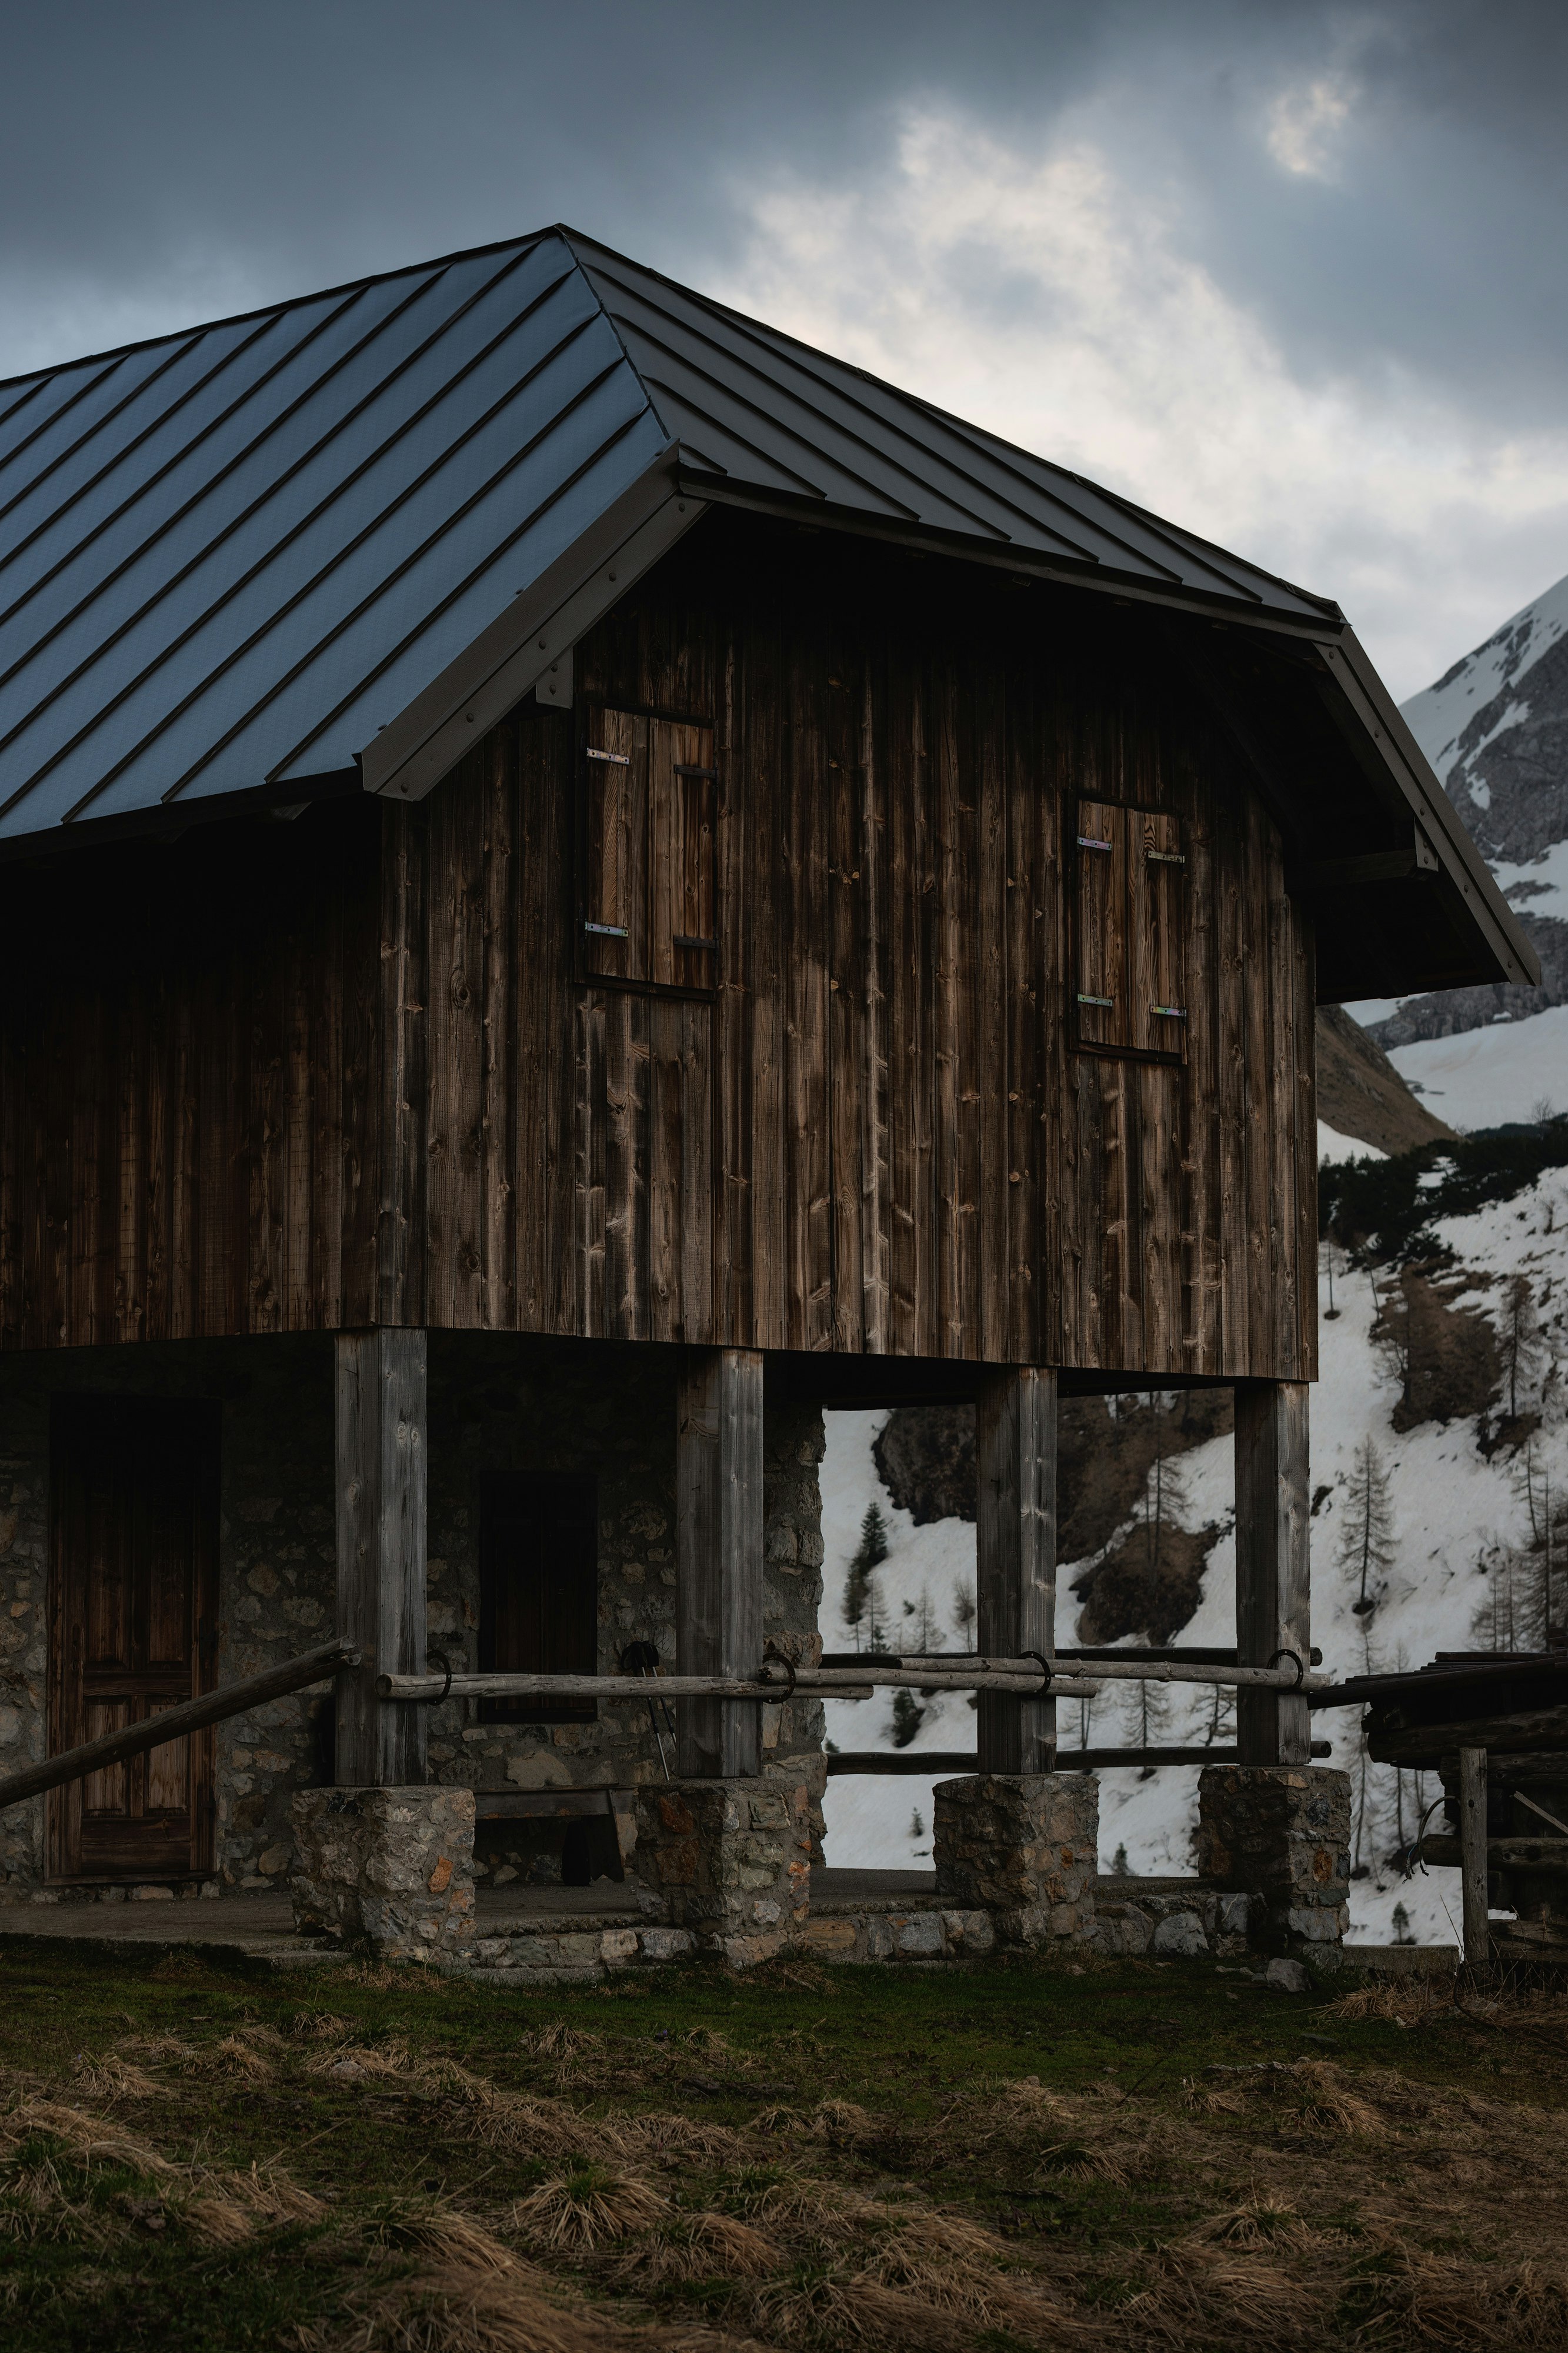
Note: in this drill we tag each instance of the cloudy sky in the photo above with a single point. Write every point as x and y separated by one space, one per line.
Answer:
1293 274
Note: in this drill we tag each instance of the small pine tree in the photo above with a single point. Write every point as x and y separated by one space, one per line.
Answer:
908 1718
1401 1934
1520 1348
928 1632
965 1608
858 1589
1120 1865
917 1828
1366 1546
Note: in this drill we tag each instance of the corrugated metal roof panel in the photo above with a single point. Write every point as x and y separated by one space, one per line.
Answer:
232 555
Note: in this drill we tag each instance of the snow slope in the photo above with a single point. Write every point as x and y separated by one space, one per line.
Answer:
1481 1077
1452 1509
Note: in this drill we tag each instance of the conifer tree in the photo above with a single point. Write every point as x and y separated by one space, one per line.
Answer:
858 1591
908 1718
964 1607
1520 1349
1366 1545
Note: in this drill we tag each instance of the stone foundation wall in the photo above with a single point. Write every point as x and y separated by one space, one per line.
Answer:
730 1860
276 1575
502 1403
1021 1848
1280 1832
496 1402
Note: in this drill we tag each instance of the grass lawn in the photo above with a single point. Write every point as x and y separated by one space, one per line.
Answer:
1128 2154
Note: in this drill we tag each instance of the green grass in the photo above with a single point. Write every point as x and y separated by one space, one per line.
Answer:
1069 2118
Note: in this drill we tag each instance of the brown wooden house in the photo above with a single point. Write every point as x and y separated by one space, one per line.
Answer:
579 879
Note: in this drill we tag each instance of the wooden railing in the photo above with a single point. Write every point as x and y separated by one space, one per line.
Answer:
175 1722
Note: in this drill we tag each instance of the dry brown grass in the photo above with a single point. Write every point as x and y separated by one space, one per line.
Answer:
587 2206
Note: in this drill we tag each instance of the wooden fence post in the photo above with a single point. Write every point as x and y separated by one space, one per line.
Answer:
381 1451
719 1554
1272 1580
1016 1559
1473 1856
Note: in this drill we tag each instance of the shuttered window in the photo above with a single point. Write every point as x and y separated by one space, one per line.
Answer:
649 912
539 1589
1130 958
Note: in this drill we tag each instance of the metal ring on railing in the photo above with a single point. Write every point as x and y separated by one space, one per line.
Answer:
1295 1659
441 1658
783 1659
1047 1672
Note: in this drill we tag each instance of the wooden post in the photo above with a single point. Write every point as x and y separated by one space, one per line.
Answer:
719 1554
1272 1611
1473 1856
381 1448
1016 1559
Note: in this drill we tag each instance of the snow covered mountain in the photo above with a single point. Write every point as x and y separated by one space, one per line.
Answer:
1495 727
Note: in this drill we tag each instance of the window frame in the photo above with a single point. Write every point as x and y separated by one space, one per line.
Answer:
1133 889
687 988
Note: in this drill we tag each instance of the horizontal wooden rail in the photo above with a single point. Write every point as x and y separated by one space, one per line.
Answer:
967 1669
1527 1854
774 1685
939 1761
175 1722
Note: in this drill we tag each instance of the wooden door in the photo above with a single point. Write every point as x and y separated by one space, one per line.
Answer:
134 1630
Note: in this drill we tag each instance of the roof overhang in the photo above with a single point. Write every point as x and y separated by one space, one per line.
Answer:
534 636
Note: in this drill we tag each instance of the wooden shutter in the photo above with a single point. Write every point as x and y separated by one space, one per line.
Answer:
1100 852
1159 985
680 857
615 897
539 1589
649 905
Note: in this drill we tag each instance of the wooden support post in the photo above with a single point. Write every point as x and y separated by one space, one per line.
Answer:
1015 1558
719 1554
1473 1856
1272 1611
381 1449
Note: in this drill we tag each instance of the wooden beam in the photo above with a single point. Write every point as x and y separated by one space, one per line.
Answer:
719 1553
1473 1856
381 1470
1016 1559
178 1723
1272 1604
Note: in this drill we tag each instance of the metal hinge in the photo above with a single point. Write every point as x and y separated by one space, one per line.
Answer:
1087 841
609 930
617 759
1095 1000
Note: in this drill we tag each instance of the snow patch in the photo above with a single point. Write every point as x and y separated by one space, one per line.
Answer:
1452 1509
1438 716
1481 1077
1333 1145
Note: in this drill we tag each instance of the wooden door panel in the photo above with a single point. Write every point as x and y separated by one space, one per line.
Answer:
1100 850
134 1594
1159 976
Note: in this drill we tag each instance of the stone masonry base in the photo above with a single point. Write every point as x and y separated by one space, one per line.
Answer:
388 1870
732 1860
1021 1849
1280 1832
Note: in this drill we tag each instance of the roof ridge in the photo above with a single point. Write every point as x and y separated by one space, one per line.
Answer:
274 310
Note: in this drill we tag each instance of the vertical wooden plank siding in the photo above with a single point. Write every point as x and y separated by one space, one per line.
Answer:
386 1081
382 1456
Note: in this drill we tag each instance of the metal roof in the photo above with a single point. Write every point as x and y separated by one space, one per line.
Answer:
231 558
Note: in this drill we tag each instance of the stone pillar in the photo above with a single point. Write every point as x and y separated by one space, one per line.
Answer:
1280 1832
1016 1559
381 1475
1023 1848
1272 1521
390 1871
719 1544
732 1859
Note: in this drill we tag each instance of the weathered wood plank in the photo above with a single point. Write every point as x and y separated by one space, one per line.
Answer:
1272 1579
382 1453
1016 1559
719 1525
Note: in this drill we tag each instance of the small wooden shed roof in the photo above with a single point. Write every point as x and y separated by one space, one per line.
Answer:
316 546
